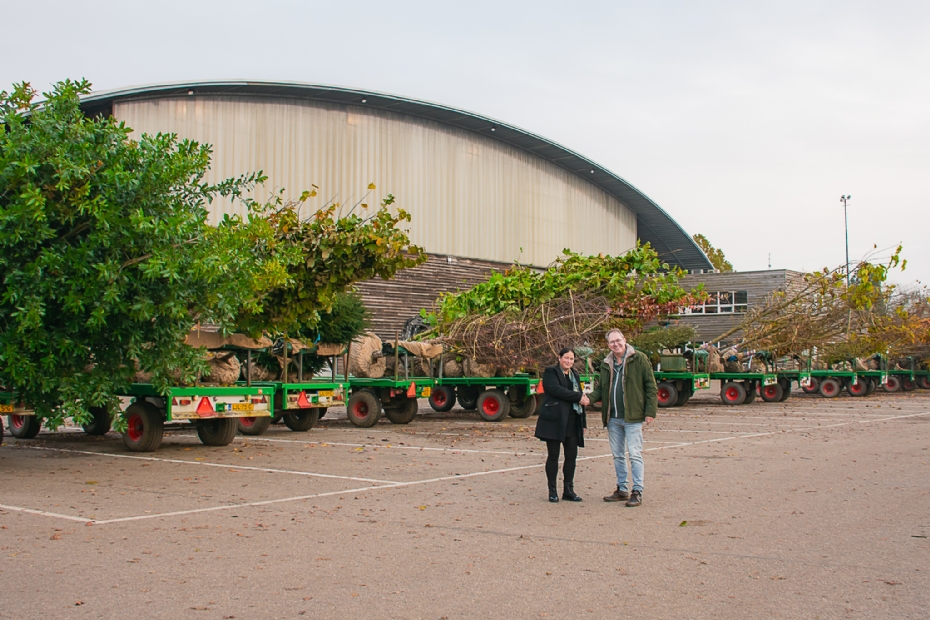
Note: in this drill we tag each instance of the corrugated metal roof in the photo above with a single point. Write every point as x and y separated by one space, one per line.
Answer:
653 224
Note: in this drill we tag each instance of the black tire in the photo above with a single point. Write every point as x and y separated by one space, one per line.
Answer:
785 389
493 405
521 404
303 420
752 391
467 397
363 409
442 398
813 387
402 413
667 394
772 393
323 411
684 395
923 382
908 384
732 393
100 422
24 426
217 432
145 427
253 426
873 385
830 388
861 388
277 418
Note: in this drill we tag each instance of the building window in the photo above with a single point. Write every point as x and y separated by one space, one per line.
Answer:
722 302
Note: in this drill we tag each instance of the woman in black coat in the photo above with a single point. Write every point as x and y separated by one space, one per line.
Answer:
562 421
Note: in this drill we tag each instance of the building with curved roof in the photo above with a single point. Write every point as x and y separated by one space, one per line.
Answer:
475 187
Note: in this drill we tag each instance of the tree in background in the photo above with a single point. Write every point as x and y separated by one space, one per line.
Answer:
716 257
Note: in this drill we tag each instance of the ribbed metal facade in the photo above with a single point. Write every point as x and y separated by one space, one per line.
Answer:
468 194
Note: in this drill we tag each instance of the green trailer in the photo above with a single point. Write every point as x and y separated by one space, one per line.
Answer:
213 410
299 402
675 388
493 398
21 421
395 397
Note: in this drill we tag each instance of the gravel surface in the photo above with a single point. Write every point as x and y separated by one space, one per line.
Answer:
811 508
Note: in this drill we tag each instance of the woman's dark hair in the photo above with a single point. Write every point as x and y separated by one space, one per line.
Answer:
566 350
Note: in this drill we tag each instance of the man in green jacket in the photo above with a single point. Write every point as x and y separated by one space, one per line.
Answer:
628 396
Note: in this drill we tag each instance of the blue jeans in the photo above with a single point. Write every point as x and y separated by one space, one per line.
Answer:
628 435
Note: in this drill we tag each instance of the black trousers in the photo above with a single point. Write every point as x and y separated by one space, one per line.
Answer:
568 468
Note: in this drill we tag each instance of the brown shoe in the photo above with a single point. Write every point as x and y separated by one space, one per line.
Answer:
636 498
617 496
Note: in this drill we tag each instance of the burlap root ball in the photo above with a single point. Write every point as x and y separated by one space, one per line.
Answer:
360 361
474 369
224 368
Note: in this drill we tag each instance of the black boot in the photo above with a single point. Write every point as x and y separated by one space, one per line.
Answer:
553 494
568 493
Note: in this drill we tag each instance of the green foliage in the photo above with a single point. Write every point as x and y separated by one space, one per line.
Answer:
106 256
333 251
716 257
654 340
347 319
637 285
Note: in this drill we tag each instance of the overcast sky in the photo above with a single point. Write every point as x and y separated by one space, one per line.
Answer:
745 121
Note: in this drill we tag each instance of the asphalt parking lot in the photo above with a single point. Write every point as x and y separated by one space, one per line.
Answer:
811 508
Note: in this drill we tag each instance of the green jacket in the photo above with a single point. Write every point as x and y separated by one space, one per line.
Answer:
640 397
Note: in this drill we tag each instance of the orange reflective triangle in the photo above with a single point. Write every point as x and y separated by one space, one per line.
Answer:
539 388
303 402
205 407
412 390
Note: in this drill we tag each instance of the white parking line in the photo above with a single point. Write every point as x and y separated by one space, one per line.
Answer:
43 513
207 464
391 446
393 485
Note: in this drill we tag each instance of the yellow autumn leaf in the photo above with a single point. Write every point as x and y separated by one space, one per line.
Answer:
371 186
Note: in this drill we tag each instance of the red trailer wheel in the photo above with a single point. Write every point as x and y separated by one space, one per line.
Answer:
923 382
829 388
493 405
771 393
668 394
732 393
813 387
364 409
145 427
861 388
908 384
893 384
442 398
24 426
253 426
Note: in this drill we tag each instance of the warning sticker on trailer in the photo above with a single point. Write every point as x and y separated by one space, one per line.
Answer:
426 392
6 408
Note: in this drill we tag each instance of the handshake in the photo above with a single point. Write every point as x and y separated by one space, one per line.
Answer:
585 401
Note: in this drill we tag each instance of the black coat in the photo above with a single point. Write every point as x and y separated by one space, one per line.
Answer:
557 411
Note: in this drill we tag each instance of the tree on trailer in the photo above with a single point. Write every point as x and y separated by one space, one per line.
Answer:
107 257
519 319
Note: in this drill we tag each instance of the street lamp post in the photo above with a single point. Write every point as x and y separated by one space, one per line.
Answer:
844 200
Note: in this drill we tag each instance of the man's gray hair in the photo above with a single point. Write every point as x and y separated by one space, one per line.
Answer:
614 331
